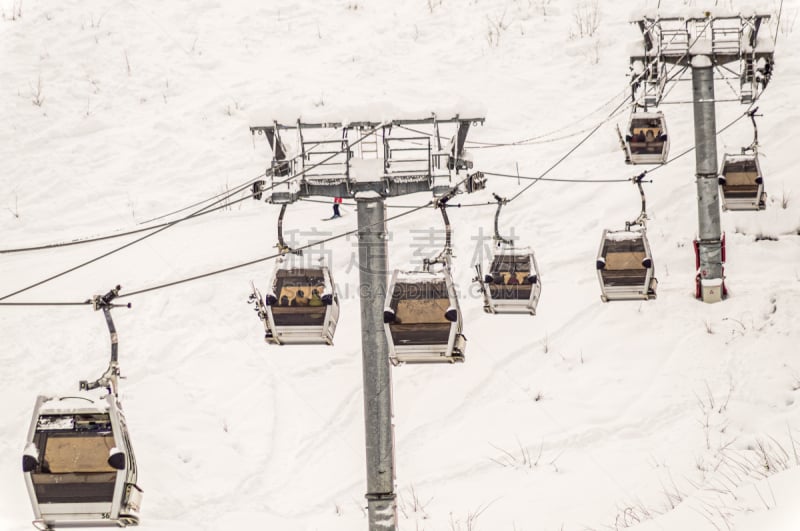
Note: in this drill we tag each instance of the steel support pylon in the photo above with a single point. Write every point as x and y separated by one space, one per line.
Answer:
372 254
705 139
341 179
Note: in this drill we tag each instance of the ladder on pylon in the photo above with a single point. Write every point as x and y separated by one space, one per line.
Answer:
369 147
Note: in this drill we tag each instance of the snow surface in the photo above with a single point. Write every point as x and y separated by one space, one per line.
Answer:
647 415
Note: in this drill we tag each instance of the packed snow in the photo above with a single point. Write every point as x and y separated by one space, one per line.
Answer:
668 414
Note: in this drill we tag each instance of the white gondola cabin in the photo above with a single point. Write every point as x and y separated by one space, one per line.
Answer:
646 140
625 266
78 463
422 319
741 183
301 306
512 284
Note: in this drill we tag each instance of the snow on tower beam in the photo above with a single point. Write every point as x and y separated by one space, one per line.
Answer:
724 37
367 123
327 166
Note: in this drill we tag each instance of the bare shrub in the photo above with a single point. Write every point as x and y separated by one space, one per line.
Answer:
412 505
16 11
787 20
784 199
469 523
15 210
521 458
495 28
632 514
586 18
37 96
433 4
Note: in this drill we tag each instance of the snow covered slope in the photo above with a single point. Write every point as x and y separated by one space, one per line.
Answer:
658 415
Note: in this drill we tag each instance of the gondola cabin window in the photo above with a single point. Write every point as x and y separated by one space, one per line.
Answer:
741 183
299 293
625 261
741 179
419 313
74 459
78 454
647 136
511 277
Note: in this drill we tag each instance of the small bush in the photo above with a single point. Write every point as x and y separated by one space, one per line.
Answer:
587 19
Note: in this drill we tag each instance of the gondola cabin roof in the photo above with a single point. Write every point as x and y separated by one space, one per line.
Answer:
509 251
735 158
419 276
623 235
299 265
75 402
646 115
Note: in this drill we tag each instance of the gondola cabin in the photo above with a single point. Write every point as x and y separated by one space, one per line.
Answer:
78 463
646 140
301 306
741 183
625 266
422 319
512 284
